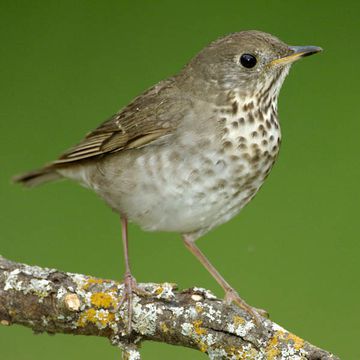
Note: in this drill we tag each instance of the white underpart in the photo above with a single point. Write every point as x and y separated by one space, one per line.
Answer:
184 201
182 206
161 193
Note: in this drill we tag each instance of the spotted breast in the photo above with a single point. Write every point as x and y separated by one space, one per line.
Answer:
250 145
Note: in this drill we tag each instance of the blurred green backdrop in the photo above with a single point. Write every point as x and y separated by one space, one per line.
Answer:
68 65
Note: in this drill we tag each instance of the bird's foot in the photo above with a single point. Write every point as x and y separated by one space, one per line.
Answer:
130 288
231 296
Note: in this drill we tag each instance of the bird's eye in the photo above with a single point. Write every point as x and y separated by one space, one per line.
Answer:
248 60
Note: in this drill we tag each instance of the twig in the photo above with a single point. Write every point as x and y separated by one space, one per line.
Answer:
48 300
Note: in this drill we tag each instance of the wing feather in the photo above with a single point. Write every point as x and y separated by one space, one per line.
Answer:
148 118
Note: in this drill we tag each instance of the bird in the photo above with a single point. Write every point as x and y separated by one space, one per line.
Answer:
189 153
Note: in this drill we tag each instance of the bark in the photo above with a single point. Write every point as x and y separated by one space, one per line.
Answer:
52 301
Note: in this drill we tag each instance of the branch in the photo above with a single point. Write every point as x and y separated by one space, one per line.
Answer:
48 300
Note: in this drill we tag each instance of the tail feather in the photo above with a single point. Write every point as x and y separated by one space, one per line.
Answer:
37 177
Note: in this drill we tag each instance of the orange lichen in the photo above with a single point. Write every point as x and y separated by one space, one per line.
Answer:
105 318
249 355
202 346
199 309
159 290
164 327
102 318
298 342
87 316
280 337
103 300
238 352
272 349
238 320
198 329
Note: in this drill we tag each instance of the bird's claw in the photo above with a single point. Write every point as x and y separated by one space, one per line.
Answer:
130 288
231 296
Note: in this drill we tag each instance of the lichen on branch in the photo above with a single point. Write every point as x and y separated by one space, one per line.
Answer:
49 300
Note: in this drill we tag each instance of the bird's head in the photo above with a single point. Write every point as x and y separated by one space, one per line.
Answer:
250 61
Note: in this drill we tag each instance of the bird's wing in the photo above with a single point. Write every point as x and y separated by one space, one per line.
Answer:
149 117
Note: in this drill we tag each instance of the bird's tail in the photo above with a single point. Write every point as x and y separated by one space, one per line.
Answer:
37 177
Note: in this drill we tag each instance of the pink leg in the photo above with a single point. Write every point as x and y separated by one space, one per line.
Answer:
124 235
230 294
130 285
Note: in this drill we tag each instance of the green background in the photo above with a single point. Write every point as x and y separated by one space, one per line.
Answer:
68 65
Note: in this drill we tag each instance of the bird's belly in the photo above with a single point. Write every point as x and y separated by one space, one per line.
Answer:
169 190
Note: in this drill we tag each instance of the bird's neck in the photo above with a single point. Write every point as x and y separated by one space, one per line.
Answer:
264 94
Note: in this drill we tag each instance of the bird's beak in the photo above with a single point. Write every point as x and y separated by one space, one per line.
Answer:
297 52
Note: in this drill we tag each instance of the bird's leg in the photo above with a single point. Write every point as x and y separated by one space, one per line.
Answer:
129 280
231 294
130 285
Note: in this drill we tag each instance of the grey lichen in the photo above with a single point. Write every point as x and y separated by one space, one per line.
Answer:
40 287
145 317
58 302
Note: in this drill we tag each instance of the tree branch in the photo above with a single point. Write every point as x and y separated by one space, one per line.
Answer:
48 300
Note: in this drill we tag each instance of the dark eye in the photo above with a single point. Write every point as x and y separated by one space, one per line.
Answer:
248 60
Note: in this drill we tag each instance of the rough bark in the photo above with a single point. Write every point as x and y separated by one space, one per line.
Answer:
49 300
